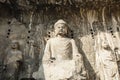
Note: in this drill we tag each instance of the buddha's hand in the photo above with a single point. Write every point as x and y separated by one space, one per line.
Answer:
77 57
50 61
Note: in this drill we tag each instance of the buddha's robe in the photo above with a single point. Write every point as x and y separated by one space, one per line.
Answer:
12 62
61 59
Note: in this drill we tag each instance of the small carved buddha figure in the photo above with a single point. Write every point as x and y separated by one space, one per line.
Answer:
13 61
61 59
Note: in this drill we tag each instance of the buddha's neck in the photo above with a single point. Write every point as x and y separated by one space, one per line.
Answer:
61 36
14 49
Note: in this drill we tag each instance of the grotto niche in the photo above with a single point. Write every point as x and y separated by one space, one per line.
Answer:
31 24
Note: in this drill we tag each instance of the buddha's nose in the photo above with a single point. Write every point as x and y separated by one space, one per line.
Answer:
61 29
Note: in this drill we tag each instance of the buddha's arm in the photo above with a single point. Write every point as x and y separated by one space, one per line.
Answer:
19 59
5 59
47 52
78 58
75 51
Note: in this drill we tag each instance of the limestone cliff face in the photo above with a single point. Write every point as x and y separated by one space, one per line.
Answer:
32 26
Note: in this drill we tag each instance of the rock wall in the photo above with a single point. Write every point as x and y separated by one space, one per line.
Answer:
32 28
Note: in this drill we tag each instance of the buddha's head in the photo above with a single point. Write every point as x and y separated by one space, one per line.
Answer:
61 28
14 44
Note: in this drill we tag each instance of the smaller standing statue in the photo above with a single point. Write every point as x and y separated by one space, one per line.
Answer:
61 59
13 61
117 54
106 63
31 59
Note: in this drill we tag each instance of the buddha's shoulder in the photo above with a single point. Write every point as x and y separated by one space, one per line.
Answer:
51 39
55 38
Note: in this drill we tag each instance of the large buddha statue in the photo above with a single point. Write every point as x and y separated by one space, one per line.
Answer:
61 59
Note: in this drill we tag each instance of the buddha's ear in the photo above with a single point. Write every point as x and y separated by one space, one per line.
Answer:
54 32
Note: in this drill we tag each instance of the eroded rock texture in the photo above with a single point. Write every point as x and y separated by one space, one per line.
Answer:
30 22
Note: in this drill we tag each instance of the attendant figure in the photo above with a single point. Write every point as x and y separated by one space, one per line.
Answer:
106 63
13 61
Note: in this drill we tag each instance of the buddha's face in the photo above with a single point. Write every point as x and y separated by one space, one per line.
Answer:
14 45
61 29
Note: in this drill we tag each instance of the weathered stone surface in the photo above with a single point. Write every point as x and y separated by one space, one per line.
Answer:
85 21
